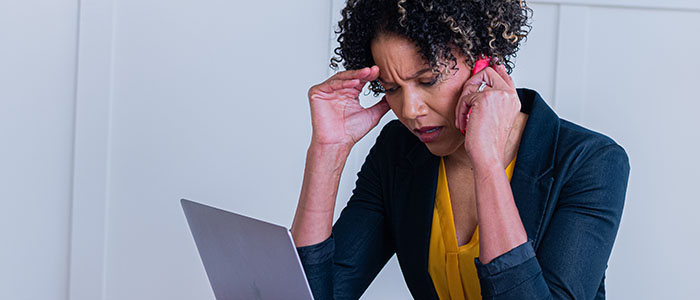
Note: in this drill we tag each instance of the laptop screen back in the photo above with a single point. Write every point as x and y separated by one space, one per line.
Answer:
246 258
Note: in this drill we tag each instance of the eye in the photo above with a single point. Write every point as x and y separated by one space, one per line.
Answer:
389 91
431 83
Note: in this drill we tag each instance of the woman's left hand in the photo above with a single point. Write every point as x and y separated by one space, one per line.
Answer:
493 112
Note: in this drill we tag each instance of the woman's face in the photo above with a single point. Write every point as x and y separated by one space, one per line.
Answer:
424 105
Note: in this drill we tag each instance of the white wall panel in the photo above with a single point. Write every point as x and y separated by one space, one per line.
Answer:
91 163
571 62
210 104
535 64
37 84
641 90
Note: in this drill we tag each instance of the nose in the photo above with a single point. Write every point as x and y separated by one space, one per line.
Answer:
413 106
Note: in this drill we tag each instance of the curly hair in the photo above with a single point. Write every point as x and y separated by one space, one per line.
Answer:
493 28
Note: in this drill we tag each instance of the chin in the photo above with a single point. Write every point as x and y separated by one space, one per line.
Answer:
442 149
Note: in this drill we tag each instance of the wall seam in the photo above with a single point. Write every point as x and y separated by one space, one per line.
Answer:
108 155
556 58
69 261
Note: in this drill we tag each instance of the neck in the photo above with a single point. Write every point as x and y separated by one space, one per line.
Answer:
459 158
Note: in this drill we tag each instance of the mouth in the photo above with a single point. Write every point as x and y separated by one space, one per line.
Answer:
428 134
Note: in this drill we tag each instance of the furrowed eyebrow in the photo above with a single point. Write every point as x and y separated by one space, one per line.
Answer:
419 73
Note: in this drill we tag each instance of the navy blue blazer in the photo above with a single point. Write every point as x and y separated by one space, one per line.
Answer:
569 185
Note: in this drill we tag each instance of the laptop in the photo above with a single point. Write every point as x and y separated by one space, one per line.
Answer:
246 258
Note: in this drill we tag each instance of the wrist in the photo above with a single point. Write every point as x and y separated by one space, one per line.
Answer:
328 157
487 166
325 148
486 158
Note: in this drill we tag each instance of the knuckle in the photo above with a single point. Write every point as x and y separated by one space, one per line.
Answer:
462 99
496 95
488 95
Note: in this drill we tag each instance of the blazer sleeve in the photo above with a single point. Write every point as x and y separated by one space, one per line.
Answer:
572 256
342 266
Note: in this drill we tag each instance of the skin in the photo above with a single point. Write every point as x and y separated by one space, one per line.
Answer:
475 163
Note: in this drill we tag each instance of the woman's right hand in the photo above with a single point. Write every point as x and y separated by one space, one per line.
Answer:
337 117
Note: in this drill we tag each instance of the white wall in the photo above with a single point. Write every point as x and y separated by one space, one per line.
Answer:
208 104
110 111
627 69
37 86
651 110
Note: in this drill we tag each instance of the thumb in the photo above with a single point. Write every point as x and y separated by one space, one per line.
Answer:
379 109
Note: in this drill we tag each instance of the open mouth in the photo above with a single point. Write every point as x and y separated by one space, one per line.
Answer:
429 134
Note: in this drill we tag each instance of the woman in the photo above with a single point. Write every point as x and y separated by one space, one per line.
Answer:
479 188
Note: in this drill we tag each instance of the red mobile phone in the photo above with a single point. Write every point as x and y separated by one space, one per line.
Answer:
478 66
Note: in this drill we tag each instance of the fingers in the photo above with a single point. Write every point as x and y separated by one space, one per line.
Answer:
372 75
458 114
356 74
462 112
501 70
495 78
333 85
498 83
353 78
490 76
463 117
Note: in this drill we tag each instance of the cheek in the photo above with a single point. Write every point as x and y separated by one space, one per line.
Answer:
449 96
397 108
394 104
454 86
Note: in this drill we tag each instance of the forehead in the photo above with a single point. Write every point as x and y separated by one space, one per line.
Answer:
396 56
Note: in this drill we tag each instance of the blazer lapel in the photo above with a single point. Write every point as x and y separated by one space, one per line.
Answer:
532 179
415 185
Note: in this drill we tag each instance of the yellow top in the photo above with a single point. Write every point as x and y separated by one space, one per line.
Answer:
451 267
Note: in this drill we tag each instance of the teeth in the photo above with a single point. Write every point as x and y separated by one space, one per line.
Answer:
432 130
